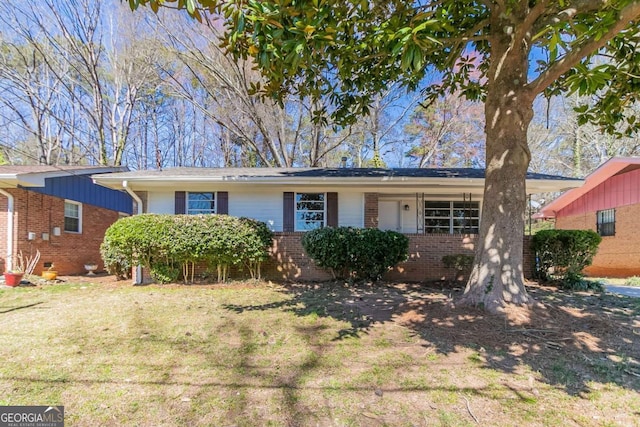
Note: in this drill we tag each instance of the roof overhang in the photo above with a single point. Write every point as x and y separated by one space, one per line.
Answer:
139 181
28 178
608 169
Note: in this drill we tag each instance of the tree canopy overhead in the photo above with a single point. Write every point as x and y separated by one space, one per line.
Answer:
351 50
504 52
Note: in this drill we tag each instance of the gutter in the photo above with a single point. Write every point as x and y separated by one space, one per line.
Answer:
134 196
10 210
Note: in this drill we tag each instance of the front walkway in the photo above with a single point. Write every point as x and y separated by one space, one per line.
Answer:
630 291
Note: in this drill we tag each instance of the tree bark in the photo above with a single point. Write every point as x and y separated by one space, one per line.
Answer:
497 276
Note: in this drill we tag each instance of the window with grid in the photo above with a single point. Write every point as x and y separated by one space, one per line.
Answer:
606 222
310 211
72 217
201 203
447 217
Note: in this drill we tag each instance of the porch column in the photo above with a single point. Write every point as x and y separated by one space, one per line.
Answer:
371 210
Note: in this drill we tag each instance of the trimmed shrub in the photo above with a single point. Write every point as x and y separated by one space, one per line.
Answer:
358 253
164 243
563 254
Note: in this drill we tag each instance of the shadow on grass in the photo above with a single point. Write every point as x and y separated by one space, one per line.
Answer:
20 307
360 306
570 339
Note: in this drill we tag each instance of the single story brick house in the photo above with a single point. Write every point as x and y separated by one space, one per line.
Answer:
608 203
439 209
59 211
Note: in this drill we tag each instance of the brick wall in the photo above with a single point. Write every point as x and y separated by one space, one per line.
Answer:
39 213
371 210
3 231
619 255
289 262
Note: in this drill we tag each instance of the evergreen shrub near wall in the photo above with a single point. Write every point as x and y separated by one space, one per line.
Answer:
172 244
458 262
563 254
358 253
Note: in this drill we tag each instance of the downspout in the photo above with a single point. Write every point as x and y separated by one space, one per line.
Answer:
10 207
138 200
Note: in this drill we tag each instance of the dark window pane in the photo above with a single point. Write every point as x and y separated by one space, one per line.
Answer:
430 222
465 222
71 224
606 222
437 205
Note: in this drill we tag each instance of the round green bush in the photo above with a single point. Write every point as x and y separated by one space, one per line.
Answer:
358 253
566 252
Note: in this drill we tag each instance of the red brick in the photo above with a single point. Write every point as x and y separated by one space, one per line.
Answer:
40 213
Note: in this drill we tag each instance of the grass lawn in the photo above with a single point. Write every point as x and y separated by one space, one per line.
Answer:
266 354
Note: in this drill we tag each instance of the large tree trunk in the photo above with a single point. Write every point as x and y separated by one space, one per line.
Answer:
497 276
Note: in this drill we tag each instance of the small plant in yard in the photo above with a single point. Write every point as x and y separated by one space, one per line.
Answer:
458 262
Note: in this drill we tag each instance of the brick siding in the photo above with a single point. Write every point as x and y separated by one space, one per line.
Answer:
39 213
371 210
288 260
619 255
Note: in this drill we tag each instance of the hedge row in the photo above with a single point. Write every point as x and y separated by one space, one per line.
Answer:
169 245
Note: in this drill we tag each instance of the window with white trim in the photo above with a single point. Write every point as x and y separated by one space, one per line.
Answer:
606 222
447 217
310 211
201 203
72 217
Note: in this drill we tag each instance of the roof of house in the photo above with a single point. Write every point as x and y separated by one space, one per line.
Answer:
12 176
612 167
319 176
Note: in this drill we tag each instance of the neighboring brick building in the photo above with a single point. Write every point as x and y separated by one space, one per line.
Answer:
59 211
438 209
608 203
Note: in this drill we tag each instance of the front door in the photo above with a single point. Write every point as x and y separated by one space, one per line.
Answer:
389 215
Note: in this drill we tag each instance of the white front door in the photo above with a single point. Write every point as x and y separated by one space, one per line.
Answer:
389 215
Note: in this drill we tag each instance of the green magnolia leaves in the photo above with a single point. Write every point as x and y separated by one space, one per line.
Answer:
348 51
